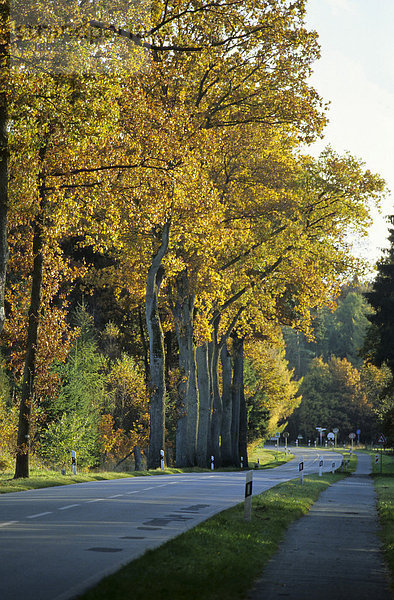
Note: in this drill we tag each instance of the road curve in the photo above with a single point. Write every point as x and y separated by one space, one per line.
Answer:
57 542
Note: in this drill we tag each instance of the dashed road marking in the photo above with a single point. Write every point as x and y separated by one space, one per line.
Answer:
5 524
43 514
116 496
68 506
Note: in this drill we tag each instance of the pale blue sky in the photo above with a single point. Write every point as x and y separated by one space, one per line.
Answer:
356 74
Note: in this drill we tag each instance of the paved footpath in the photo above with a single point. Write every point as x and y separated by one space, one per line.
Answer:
332 553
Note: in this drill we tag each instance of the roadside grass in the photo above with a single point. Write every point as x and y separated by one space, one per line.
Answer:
266 456
220 558
384 486
42 477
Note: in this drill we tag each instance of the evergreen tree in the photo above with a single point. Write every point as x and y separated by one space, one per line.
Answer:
379 346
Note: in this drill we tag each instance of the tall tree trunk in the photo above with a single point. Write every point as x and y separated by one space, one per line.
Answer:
243 423
226 448
156 353
22 457
187 424
4 154
217 407
217 412
203 360
238 345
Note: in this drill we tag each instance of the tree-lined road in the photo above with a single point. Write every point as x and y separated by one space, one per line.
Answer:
56 542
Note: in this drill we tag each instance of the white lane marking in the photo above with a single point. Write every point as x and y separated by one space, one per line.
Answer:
95 500
43 514
162 485
116 496
146 489
68 506
8 523
136 492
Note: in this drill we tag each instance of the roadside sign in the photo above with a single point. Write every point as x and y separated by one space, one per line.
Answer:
336 430
382 439
330 436
301 466
352 436
277 434
376 459
358 431
286 434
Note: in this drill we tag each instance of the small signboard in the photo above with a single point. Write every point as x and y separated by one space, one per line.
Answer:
301 466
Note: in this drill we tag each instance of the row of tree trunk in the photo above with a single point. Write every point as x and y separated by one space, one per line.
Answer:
211 417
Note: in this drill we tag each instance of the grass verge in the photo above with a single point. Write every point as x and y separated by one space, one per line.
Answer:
384 486
266 457
220 558
41 478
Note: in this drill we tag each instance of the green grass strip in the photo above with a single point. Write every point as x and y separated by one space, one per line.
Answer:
42 478
384 486
220 558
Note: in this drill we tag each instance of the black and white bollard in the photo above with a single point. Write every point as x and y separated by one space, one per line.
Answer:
74 462
320 466
212 463
301 470
248 496
162 460
333 468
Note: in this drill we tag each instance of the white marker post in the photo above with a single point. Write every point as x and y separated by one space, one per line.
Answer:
212 463
242 462
333 468
301 470
74 462
320 466
162 459
248 496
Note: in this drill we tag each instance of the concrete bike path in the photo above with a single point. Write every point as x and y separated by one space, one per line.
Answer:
332 553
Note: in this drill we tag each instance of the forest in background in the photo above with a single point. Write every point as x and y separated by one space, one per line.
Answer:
161 223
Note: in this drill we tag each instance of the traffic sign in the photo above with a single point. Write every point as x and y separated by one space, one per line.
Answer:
336 430
382 439
286 434
330 436
352 436
358 431
301 466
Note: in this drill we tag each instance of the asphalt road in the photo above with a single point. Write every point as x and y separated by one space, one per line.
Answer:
57 542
